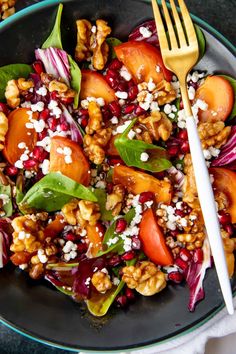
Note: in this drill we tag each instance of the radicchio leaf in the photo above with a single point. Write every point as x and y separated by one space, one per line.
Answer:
82 284
150 26
227 155
195 274
5 240
76 134
177 175
56 62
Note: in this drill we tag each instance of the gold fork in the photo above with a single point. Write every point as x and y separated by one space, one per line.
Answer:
180 54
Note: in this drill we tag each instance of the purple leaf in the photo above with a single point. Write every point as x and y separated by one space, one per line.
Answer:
227 155
5 240
76 134
56 63
177 175
150 26
195 274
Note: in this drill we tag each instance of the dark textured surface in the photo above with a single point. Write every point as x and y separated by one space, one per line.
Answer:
221 15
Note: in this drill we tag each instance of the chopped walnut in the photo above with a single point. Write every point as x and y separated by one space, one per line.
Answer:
115 199
92 43
101 281
192 240
190 195
61 88
6 8
95 118
213 134
94 146
80 212
229 247
24 85
98 45
145 278
158 125
36 271
3 129
12 94
164 93
82 50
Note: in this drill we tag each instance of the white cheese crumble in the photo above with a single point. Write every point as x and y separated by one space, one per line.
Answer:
201 104
37 107
131 134
45 165
125 73
145 32
114 120
42 91
122 94
144 157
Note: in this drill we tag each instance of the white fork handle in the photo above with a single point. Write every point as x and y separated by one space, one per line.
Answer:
207 202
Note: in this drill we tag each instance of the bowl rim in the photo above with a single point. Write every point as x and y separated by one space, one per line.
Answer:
223 40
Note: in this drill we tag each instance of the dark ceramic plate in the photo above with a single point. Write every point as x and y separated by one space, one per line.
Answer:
35 308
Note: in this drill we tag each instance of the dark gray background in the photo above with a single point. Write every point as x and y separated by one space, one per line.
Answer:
220 14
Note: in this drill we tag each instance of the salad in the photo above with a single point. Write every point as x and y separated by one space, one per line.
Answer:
97 190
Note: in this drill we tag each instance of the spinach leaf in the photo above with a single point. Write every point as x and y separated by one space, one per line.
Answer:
111 234
113 42
233 83
75 79
10 72
131 150
54 39
64 290
106 215
201 41
5 192
52 192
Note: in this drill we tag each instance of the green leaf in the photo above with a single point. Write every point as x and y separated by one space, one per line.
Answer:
111 234
130 151
52 192
113 42
75 79
233 83
5 192
54 39
201 41
64 290
101 195
10 72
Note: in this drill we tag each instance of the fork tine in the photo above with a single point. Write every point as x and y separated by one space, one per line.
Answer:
173 41
180 32
190 30
160 27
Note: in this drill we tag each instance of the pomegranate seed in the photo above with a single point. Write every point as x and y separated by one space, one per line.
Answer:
54 95
11 171
39 154
145 197
121 301
180 213
114 261
129 109
121 225
84 122
64 127
29 164
139 111
67 100
181 264
123 87
82 248
185 255
115 64
183 134
181 105
106 113
185 147
112 73
133 92
224 218
42 135
173 150
83 112
129 294
52 123
70 237
229 228
115 109
176 277
128 256
198 255
3 108
115 161
112 82
109 187
136 243
174 233
131 83
44 114
38 67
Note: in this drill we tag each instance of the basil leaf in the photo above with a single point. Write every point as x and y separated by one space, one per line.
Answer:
52 192
54 39
10 72
106 215
75 79
5 192
111 234
201 41
113 42
232 81
130 151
